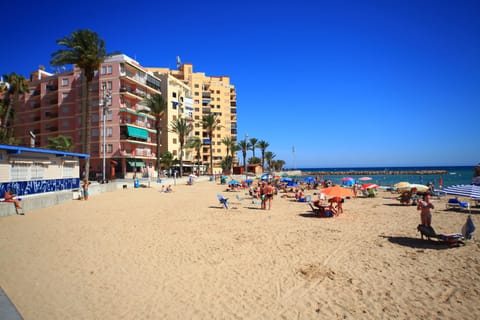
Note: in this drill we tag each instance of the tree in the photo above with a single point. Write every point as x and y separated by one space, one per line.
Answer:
254 160
15 86
61 143
157 106
167 160
243 146
196 143
85 49
263 145
253 143
269 156
229 143
182 127
210 123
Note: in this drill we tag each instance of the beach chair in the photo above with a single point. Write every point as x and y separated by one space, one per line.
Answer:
223 201
454 203
451 239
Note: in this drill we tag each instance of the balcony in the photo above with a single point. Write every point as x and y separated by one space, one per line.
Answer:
233 110
51 87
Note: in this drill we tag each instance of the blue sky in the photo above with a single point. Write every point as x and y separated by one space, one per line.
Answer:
347 83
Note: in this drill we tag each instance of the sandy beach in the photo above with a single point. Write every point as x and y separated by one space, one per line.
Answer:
143 254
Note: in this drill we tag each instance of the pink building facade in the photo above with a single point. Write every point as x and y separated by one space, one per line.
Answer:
53 108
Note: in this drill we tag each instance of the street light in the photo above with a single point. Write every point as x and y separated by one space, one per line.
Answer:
245 160
106 97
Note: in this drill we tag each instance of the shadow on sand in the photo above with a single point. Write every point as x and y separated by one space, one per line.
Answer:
418 243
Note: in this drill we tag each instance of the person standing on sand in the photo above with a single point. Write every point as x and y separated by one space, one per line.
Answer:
424 206
85 189
269 191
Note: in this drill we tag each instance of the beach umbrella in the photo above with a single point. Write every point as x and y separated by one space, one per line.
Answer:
309 179
369 185
347 179
464 190
249 181
401 184
337 191
287 179
233 182
292 184
192 176
265 176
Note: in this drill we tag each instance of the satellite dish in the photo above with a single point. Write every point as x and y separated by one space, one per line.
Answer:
179 63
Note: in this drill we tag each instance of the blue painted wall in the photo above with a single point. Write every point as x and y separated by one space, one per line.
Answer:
22 188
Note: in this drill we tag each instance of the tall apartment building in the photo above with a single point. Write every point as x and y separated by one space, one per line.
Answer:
53 108
210 94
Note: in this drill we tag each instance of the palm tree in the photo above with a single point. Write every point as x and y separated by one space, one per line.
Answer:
15 85
243 146
61 143
182 127
233 149
228 142
157 106
210 123
269 156
85 49
263 145
253 143
196 143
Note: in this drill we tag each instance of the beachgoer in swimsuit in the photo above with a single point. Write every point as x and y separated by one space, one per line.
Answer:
424 206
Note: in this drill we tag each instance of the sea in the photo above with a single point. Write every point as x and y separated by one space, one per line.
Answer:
454 175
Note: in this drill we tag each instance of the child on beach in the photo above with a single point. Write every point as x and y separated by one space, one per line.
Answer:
85 189
424 206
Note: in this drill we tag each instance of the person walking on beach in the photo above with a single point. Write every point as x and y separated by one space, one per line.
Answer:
85 189
269 191
424 206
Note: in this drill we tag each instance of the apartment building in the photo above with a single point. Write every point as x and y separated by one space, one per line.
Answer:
53 108
210 94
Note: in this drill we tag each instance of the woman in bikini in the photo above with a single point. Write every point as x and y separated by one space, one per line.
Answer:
424 206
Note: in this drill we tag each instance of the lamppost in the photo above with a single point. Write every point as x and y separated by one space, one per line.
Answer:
106 97
245 160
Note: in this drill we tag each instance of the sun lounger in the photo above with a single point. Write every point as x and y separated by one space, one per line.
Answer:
452 239
454 203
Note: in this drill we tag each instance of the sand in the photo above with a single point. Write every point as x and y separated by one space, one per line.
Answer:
142 254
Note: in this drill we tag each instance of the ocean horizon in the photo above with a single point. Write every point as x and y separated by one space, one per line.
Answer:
454 175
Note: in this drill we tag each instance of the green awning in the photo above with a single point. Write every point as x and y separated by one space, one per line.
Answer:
137 164
137 133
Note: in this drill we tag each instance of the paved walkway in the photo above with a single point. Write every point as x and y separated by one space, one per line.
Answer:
7 309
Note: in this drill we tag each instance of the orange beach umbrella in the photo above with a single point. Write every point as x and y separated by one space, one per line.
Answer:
337 191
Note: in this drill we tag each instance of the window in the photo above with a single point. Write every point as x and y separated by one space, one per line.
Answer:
109 131
68 169
37 171
19 171
196 93
64 82
174 94
64 96
95 132
174 140
109 115
65 124
95 118
109 148
65 109
196 85
106 70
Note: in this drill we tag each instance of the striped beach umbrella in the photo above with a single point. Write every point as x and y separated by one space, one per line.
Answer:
464 190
